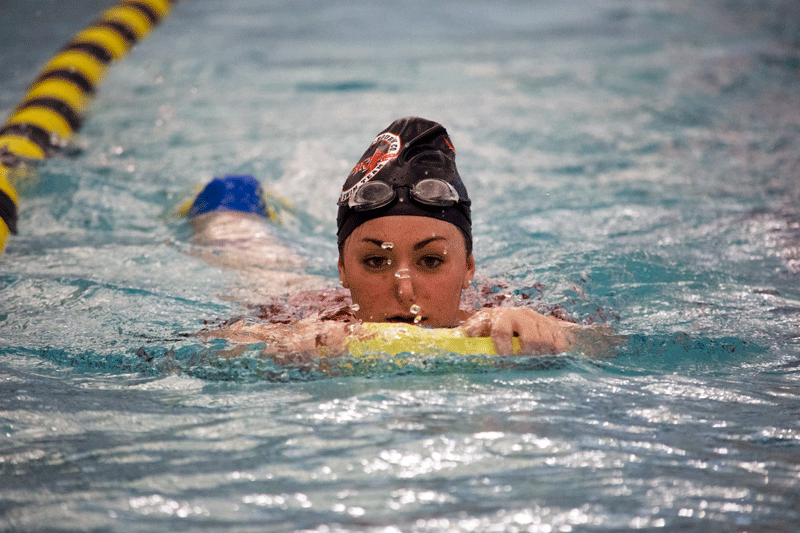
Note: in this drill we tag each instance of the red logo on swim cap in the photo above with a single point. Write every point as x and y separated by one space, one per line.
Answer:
387 146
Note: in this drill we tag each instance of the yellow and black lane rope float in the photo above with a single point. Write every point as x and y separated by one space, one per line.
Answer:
52 110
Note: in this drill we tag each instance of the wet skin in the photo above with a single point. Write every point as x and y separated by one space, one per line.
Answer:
407 269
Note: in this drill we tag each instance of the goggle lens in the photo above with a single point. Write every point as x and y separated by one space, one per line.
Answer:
435 192
377 194
371 195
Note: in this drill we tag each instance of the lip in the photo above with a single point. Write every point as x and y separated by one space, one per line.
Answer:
412 319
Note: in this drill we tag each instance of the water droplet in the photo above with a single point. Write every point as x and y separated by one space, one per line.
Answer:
403 273
355 307
387 245
415 310
417 319
388 262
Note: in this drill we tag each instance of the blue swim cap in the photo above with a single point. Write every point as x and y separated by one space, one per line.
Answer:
231 193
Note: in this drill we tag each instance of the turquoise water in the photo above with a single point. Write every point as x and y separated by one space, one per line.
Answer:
632 162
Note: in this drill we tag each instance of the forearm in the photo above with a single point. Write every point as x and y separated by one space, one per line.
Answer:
596 342
306 338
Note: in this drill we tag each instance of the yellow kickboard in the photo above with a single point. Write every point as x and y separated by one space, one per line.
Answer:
393 339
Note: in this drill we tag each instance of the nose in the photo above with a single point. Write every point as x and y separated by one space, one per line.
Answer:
404 285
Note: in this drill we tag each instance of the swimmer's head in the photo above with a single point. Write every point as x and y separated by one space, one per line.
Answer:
231 193
409 169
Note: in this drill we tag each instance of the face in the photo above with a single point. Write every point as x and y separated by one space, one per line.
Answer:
399 268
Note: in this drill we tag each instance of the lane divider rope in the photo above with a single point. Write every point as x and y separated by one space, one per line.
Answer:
52 110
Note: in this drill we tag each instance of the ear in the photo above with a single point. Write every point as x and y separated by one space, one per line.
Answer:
470 273
342 275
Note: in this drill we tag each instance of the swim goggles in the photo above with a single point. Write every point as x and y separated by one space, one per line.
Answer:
432 192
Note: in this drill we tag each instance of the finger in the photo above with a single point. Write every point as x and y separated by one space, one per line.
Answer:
502 333
531 339
503 344
552 341
559 340
525 327
527 341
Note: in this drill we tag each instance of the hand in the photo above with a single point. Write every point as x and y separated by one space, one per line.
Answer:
538 334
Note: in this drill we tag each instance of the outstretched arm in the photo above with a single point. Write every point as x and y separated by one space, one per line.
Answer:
538 334
303 340
310 338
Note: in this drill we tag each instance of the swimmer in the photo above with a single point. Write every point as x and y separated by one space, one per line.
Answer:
405 255
227 220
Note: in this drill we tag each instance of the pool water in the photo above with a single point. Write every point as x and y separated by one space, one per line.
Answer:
634 163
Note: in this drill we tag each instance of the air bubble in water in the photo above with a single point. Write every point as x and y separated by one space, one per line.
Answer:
387 245
415 310
417 319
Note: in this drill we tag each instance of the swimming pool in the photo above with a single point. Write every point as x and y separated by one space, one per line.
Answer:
633 162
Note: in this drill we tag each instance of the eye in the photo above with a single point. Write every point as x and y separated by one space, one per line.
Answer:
431 262
376 262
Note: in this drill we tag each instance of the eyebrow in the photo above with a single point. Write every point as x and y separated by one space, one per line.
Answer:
423 244
417 246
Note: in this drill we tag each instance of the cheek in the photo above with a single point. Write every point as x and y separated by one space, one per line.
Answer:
372 299
445 289
454 291
366 289
369 288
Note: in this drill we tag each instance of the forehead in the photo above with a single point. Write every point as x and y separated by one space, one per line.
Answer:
410 229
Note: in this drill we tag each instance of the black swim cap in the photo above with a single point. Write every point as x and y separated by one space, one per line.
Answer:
409 150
